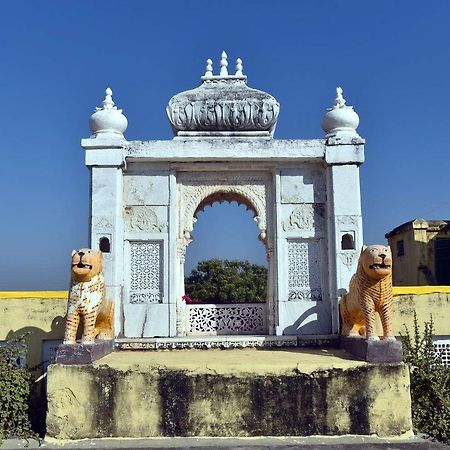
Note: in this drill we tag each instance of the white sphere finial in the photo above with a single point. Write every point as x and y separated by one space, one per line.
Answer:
108 119
224 65
239 68
340 120
209 68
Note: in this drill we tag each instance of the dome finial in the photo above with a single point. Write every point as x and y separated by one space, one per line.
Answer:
108 119
224 65
340 121
239 68
209 68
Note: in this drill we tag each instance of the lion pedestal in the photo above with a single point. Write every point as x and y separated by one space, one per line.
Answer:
87 303
370 292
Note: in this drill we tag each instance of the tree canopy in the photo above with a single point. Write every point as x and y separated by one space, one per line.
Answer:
227 281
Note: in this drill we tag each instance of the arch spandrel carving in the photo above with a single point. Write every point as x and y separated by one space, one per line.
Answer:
198 190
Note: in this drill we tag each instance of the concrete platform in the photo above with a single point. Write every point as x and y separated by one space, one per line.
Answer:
246 392
264 443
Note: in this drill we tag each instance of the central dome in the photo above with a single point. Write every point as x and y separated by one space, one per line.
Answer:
223 105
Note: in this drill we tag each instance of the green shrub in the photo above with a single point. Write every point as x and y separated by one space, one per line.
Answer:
430 383
14 391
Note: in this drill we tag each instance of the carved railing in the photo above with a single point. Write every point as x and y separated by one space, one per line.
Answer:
222 319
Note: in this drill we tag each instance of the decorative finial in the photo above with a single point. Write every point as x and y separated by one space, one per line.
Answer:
239 68
339 101
209 68
340 121
224 65
108 120
108 103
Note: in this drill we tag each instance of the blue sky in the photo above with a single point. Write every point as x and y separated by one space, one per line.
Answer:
57 58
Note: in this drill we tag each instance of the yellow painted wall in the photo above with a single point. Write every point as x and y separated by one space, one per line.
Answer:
425 301
42 314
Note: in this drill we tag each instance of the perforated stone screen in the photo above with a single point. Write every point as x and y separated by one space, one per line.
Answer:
442 347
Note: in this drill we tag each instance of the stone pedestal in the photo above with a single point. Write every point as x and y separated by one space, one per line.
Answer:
282 392
373 351
79 353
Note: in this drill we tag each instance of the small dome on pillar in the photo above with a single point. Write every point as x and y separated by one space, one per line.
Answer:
108 119
340 120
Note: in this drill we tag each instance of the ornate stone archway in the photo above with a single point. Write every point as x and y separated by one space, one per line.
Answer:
195 191
305 196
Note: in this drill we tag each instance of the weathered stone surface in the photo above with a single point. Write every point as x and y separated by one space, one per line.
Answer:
373 351
227 393
223 103
80 353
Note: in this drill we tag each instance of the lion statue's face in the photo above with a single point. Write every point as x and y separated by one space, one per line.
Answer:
86 263
376 261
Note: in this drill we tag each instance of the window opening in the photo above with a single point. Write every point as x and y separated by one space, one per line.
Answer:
400 248
347 242
104 245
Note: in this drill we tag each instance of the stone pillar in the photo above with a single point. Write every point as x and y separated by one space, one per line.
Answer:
104 158
344 216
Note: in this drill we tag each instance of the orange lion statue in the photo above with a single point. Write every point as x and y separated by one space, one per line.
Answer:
87 299
370 291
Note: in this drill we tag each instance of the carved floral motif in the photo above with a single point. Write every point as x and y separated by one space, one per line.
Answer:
305 217
223 105
346 221
144 218
348 259
174 343
102 223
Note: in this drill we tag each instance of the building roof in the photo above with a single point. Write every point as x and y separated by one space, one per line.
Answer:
419 223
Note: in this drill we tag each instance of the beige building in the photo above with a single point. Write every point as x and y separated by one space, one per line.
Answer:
421 253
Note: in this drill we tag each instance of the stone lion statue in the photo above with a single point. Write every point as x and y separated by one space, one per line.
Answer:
87 299
370 291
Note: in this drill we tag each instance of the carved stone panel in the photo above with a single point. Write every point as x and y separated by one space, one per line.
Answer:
146 188
348 258
146 272
347 232
346 222
303 185
103 224
304 270
304 217
226 319
146 219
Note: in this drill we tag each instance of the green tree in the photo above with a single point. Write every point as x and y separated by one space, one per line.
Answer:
225 281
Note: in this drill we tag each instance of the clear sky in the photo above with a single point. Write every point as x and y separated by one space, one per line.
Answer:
57 58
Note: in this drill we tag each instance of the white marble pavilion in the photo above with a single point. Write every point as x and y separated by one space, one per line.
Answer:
305 196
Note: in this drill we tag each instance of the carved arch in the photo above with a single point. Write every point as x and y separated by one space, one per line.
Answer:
198 193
